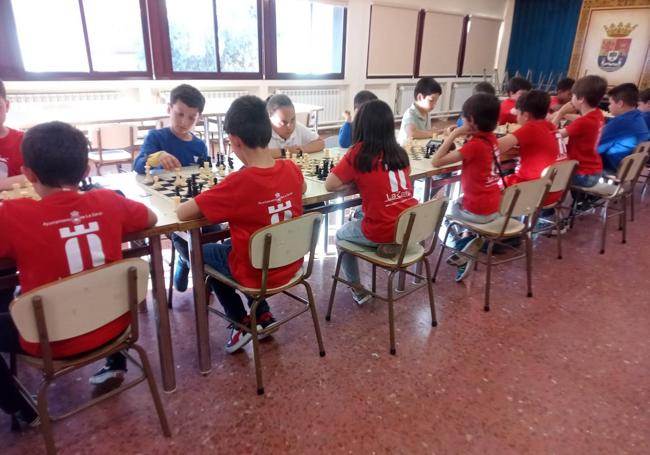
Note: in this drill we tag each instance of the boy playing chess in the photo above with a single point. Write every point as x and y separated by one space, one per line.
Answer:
289 136
416 123
517 86
77 231
264 192
345 133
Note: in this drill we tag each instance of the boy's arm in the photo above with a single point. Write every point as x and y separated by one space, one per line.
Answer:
507 146
412 131
152 219
444 155
345 135
189 210
314 146
7 183
152 153
562 113
619 146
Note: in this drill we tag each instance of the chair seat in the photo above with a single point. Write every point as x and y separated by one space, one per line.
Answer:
599 189
493 228
413 254
232 283
98 353
110 156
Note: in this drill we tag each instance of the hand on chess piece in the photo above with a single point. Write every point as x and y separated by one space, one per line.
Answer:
347 116
168 161
449 129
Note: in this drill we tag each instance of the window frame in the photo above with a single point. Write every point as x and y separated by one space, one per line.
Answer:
16 68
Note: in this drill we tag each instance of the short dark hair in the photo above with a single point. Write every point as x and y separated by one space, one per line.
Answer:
518 83
427 86
565 84
247 119
363 97
592 88
644 96
483 110
535 102
57 153
484 87
189 95
275 102
3 91
628 93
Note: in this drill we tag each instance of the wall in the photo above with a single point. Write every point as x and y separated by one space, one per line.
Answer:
356 57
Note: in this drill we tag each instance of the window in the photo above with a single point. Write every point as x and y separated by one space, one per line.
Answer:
238 36
309 37
191 36
72 36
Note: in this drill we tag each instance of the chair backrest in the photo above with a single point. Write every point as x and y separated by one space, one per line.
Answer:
643 147
113 136
428 216
530 197
563 173
331 142
290 240
630 167
80 303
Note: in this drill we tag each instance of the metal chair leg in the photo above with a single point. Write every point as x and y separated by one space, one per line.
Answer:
427 270
314 315
443 245
624 218
256 353
153 388
374 278
488 276
558 229
529 264
46 423
603 216
334 283
391 313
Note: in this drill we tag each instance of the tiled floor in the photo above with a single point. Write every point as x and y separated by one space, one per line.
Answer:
565 372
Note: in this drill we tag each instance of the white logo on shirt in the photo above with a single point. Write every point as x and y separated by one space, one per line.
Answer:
72 246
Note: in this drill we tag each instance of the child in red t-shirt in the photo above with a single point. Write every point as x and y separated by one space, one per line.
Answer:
10 157
264 192
535 142
379 168
562 96
584 131
479 177
517 86
77 231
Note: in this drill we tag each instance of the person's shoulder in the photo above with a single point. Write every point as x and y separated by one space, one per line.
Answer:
158 133
17 134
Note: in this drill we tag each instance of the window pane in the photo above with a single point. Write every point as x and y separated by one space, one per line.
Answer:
238 37
115 35
191 35
50 35
309 37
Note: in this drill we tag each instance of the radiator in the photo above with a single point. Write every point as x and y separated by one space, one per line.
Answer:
332 100
62 98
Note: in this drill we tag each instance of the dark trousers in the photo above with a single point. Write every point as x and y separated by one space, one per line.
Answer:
11 400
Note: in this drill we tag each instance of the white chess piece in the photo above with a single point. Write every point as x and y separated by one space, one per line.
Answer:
177 201
147 174
179 180
156 182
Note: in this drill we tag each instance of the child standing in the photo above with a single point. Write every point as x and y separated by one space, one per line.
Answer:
416 123
288 135
78 231
10 157
379 168
626 130
584 132
264 192
479 174
517 86
345 133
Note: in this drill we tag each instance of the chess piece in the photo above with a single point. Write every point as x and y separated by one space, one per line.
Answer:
231 163
178 181
148 179
222 170
177 201
156 182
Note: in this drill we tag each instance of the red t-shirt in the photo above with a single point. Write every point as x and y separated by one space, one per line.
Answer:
10 156
555 102
63 234
584 134
505 116
384 195
538 148
248 200
479 178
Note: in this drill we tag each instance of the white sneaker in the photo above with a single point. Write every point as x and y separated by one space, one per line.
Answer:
360 297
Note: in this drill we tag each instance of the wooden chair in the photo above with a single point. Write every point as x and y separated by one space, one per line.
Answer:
617 191
275 246
563 171
112 145
415 226
521 201
77 305
643 147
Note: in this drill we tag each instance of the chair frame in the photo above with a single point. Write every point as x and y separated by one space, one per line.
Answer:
258 295
53 369
624 190
117 162
529 224
400 266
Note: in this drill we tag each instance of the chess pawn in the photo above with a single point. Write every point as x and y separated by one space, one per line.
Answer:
222 171
156 182
177 201
179 180
147 174
327 153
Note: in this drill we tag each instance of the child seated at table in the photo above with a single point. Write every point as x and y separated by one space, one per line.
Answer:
345 133
479 173
416 123
289 136
175 146
516 87
644 105
481 87
583 133
562 95
77 231
379 168
264 192
11 158
625 131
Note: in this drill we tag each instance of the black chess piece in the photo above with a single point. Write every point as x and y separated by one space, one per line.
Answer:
231 163
209 161
188 193
200 188
177 191
214 180
200 161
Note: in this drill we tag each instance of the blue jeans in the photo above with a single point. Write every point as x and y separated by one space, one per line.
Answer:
352 233
180 245
216 256
585 180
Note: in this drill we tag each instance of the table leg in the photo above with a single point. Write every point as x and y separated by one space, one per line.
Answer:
426 197
163 329
200 302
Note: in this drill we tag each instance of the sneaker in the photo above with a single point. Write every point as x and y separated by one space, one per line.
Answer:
563 229
266 320
456 260
239 338
473 247
181 273
360 297
114 369
464 270
388 250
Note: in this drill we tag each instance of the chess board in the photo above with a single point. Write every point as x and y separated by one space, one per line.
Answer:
19 192
167 185
317 169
